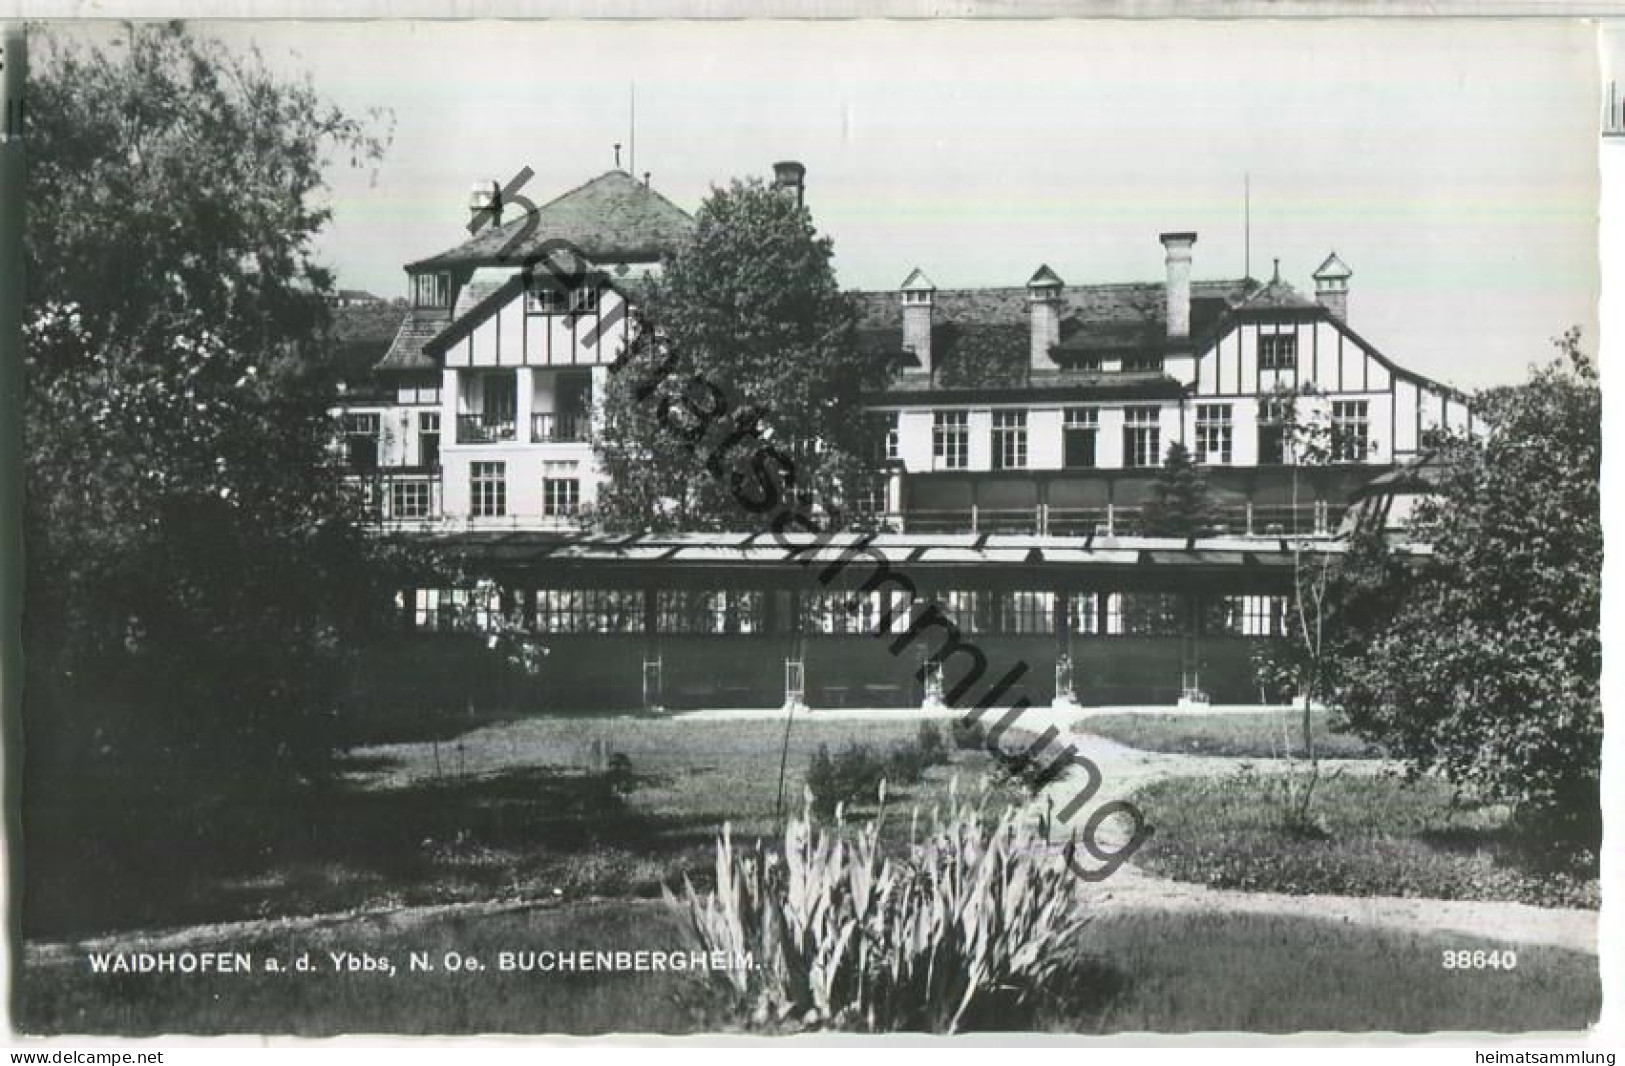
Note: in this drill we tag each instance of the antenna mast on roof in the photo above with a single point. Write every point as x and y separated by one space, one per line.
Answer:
1246 224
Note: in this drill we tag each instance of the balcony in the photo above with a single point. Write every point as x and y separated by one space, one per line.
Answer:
1244 520
559 427
484 429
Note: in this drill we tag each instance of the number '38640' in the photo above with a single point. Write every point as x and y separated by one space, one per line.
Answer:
1479 960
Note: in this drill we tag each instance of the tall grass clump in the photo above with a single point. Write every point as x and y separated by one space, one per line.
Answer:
972 925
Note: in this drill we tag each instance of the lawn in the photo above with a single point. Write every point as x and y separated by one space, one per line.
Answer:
1377 835
1265 734
516 810
1142 972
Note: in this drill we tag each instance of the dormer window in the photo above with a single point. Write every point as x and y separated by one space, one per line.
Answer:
1142 363
431 290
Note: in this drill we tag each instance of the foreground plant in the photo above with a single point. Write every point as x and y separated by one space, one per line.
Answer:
980 914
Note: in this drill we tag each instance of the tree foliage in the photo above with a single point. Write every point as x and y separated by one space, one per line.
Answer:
1489 669
746 342
193 571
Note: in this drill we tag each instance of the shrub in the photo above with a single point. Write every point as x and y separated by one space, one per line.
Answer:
933 750
978 919
854 774
620 773
968 734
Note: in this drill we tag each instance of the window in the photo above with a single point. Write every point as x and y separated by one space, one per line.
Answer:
891 445
418 394
1259 616
589 610
543 298
1142 439
584 300
963 607
409 499
1273 416
837 613
499 399
561 496
1142 364
1009 440
869 498
1213 433
455 610
1143 614
950 440
733 611
1083 613
361 433
429 438
431 290
1078 436
1026 612
488 489
1351 431
1277 351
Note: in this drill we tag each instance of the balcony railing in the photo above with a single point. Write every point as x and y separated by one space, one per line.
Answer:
482 429
401 498
558 427
1245 520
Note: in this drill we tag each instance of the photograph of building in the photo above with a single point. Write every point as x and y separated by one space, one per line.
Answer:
1023 428
658 528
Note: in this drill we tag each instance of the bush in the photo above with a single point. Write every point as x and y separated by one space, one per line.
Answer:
933 750
968 734
973 925
854 774
619 774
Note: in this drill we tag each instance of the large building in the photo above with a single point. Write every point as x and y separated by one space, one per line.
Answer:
1024 427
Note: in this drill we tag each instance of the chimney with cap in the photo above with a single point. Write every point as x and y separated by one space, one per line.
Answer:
918 296
1044 308
484 205
790 177
1332 286
1178 246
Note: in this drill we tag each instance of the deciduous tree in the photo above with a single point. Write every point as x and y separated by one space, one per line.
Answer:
193 570
1490 668
746 343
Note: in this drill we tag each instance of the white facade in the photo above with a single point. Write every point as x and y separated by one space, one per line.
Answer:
1353 389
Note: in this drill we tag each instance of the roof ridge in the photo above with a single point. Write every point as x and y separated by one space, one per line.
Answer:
1122 285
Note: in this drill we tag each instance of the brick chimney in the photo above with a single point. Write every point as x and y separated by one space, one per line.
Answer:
1044 307
1178 246
791 177
1332 286
918 295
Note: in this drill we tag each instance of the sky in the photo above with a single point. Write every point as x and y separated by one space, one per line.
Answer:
1451 165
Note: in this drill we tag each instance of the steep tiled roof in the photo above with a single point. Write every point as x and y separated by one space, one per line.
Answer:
612 218
357 336
1276 295
980 336
416 329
